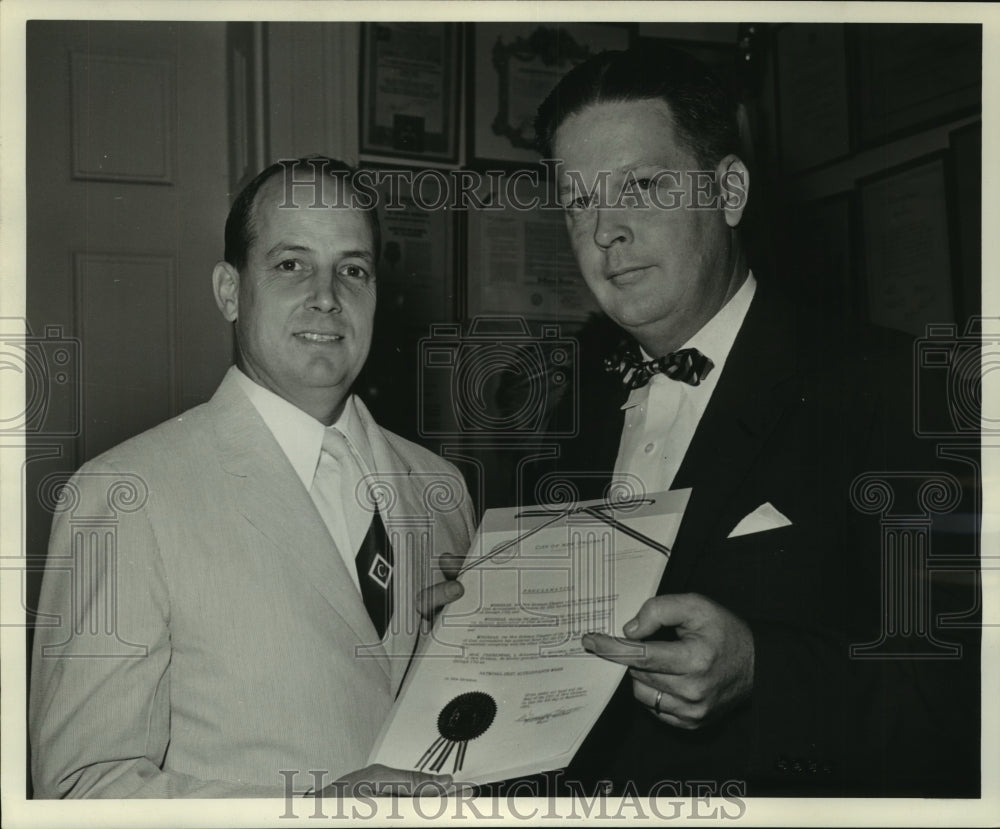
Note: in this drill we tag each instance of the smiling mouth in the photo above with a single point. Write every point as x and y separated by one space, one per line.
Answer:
315 337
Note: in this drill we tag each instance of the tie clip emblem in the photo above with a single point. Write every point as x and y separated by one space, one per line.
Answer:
381 571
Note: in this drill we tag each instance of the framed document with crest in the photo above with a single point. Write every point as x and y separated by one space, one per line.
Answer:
513 67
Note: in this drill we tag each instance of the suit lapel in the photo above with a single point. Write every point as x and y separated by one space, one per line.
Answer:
271 497
589 458
757 386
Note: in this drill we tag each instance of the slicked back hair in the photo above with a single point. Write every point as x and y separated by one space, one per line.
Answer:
241 231
703 110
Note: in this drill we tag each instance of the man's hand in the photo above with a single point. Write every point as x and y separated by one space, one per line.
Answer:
431 599
688 682
383 781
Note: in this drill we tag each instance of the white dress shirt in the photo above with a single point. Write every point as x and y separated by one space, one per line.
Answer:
300 437
662 416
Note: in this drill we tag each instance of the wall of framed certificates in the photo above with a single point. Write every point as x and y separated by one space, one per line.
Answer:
449 97
863 141
446 108
876 131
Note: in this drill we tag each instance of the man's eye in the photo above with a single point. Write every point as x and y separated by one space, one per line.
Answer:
289 265
638 184
353 271
578 204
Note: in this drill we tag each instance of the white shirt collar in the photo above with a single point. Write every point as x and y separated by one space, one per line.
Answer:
300 435
714 339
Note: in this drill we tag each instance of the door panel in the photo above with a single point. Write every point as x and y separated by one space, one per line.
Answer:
127 194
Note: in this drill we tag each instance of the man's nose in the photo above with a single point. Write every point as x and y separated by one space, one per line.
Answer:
324 292
612 226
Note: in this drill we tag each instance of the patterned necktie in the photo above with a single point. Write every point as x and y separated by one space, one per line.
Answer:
374 558
374 564
688 365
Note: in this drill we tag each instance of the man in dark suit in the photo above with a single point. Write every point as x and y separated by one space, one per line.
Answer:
794 643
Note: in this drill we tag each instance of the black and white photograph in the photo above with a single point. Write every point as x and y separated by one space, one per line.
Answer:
515 413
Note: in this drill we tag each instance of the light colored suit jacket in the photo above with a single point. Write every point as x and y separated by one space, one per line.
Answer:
202 634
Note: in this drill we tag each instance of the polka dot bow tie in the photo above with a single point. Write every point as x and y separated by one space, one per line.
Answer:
688 365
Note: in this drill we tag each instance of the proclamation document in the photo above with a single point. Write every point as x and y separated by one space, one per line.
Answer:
502 687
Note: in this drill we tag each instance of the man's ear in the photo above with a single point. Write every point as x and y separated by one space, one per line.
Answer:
226 287
734 187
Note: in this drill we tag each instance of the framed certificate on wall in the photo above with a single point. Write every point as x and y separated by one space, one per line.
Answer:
409 90
416 270
913 75
907 246
519 259
811 88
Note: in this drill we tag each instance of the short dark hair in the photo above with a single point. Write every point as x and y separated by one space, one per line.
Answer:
703 109
240 228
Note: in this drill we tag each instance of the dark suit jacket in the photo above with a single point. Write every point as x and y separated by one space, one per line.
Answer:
799 413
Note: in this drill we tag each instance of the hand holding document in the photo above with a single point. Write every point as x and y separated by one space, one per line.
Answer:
503 687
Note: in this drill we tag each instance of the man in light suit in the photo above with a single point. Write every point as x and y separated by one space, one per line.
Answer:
236 655
773 655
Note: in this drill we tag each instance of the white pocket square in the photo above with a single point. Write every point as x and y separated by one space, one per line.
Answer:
765 517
